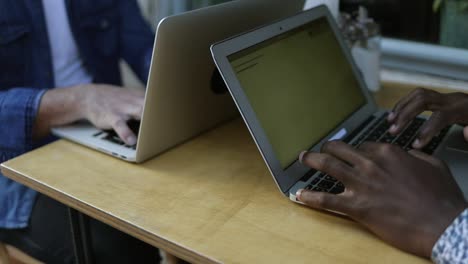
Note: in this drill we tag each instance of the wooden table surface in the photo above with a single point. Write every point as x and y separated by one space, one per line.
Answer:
209 200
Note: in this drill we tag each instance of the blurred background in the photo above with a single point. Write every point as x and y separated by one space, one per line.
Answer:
155 10
417 20
434 33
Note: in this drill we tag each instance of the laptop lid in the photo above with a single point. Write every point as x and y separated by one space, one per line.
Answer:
296 86
182 98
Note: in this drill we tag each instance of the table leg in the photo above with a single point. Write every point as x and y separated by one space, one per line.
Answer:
81 237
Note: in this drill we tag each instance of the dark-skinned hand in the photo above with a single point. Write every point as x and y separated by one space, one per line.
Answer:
407 199
447 109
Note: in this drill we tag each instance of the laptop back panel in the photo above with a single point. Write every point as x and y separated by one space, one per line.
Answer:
181 101
296 86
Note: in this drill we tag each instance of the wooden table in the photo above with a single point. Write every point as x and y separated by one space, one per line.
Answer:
209 200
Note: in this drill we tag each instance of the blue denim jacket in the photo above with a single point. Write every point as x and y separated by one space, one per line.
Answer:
105 32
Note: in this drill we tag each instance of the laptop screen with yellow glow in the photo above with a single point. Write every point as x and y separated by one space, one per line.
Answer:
300 86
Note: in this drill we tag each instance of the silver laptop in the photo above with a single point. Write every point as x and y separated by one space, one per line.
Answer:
297 87
184 96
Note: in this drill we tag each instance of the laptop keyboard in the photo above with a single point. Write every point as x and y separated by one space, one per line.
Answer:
378 132
111 136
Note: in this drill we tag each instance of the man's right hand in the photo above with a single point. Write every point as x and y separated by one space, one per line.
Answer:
110 107
447 109
105 106
407 199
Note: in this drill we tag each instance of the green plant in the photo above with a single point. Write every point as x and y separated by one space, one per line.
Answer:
462 4
454 23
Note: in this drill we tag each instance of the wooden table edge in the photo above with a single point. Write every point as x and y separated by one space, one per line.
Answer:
161 242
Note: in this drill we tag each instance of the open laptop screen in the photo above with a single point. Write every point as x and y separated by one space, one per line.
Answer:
300 85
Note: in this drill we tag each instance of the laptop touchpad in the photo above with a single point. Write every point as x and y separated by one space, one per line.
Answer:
456 141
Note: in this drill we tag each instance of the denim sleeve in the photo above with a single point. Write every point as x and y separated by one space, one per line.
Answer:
136 39
18 109
452 246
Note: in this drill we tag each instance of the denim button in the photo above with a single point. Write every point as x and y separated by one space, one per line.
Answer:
104 24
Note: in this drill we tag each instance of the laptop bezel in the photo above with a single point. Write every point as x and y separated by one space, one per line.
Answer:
285 178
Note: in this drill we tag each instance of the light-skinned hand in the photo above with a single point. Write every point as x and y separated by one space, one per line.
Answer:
105 106
110 107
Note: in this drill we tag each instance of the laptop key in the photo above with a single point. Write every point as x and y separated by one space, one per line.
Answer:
114 139
318 189
315 181
373 138
431 147
330 178
308 175
337 190
321 175
403 140
326 184
388 138
98 134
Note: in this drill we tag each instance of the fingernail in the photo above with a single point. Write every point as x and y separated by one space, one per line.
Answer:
131 140
298 194
301 156
417 143
391 116
393 128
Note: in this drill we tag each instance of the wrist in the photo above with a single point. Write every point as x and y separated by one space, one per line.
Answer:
79 100
439 226
60 107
